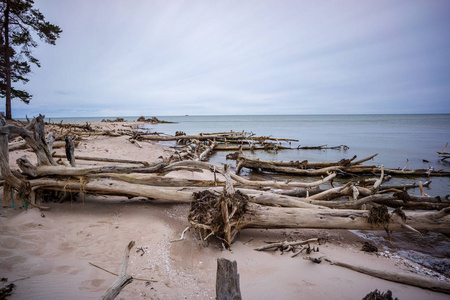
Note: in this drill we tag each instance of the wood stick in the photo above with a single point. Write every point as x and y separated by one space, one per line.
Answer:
112 273
123 279
281 244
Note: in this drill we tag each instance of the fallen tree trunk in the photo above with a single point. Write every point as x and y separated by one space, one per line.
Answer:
389 200
254 164
323 147
181 195
279 184
404 186
299 164
206 215
404 278
200 137
252 183
306 168
38 171
207 151
104 159
258 216
23 145
253 147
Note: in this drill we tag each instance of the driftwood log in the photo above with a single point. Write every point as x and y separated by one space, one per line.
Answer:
206 215
345 166
444 154
400 277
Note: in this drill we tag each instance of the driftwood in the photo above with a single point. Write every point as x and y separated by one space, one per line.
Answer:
123 279
227 280
70 151
284 245
444 154
36 140
303 168
253 147
178 195
103 159
390 200
36 171
206 215
84 127
207 151
323 147
400 277
305 164
23 145
219 212
344 166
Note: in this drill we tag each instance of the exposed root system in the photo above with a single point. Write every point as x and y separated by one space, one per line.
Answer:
207 215
376 295
379 217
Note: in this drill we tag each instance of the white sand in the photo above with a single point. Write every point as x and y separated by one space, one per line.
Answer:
49 254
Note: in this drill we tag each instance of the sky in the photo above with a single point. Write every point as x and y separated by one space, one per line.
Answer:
166 58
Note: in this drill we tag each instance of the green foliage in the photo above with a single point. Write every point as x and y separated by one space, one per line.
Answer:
20 22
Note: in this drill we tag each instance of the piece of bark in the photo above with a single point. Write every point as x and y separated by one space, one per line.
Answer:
70 151
227 280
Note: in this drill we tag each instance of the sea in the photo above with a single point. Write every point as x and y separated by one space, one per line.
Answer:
399 140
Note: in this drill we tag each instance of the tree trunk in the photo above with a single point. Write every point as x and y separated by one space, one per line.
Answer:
258 216
404 278
7 63
181 194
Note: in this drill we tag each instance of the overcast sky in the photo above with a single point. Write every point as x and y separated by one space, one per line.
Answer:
161 58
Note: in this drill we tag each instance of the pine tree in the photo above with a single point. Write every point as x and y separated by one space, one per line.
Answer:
19 21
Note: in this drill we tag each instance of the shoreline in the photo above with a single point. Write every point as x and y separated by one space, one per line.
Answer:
53 252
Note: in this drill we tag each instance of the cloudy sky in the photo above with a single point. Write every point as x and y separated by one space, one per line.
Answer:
161 58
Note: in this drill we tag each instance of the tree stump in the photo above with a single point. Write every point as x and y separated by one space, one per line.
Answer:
227 280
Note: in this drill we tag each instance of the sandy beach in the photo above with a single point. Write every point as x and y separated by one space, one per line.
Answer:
50 254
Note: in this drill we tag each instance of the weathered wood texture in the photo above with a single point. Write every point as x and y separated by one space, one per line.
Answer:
227 280
122 280
400 277
258 216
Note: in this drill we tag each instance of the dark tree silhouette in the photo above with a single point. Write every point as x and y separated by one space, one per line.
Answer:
19 22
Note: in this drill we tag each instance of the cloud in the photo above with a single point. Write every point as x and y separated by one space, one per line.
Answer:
242 57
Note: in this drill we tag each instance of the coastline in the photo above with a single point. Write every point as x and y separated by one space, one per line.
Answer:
53 252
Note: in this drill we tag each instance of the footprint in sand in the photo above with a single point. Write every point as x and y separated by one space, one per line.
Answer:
33 267
9 262
91 285
9 242
5 253
68 270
